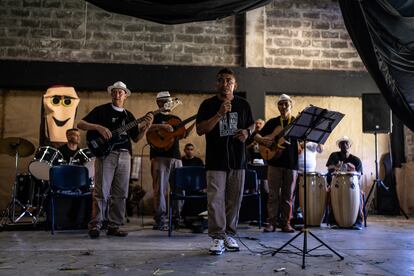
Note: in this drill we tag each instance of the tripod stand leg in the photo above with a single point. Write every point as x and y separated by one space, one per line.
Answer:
327 246
283 246
404 213
305 249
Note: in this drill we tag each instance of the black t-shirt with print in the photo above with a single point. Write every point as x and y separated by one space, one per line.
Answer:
174 151
223 152
289 157
107 116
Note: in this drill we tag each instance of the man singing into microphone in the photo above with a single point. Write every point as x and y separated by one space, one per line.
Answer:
226 121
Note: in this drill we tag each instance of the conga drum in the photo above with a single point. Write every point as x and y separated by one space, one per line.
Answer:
315 197
345 197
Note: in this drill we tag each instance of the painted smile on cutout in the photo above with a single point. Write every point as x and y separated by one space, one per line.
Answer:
60 123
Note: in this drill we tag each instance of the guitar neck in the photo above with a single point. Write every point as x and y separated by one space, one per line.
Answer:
132 124
183 123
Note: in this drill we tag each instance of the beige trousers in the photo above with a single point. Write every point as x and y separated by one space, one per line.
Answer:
224 196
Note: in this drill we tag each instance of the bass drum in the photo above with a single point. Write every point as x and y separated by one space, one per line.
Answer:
315 197
85 158
25 188
345 197
45 158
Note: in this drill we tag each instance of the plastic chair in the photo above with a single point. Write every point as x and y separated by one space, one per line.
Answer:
67 181
189 183
252 188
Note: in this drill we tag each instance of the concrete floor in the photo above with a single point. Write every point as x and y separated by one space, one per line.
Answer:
384 248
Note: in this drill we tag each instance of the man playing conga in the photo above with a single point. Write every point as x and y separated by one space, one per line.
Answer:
344 161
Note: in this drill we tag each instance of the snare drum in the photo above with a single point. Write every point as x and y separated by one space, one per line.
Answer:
86 158
345 197
315 197
44 159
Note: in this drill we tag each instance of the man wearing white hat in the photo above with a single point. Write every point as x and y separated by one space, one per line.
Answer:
343 160
282 167
112 171
163 163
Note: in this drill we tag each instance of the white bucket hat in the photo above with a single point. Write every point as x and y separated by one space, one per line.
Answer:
344 139
163 95
284 97
119 85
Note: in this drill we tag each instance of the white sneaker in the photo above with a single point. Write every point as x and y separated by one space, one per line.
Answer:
231 244
217 247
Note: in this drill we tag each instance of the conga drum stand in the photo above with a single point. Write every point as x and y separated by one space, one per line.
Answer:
313 124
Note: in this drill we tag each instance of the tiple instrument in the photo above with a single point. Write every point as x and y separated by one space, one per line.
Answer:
162 139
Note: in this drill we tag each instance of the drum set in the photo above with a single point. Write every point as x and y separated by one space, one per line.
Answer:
30 190
343 195
47 157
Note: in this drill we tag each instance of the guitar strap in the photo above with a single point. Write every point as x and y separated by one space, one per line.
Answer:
289 121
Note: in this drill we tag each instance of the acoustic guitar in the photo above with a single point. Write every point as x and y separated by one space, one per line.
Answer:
273 152
99 146
162 139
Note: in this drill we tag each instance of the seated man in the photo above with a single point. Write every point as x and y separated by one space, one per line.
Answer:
189 159
71 147
253 154
343 160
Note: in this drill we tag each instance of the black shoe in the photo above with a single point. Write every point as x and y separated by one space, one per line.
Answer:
116 232
94 233
104 225
179 223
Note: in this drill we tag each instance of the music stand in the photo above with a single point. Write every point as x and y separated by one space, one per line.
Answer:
313 124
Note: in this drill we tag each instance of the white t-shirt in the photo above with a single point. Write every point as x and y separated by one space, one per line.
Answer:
310 157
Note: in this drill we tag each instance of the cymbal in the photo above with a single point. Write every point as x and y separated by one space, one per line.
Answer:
10 145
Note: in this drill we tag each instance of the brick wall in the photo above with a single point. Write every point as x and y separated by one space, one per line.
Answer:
306 34
72 30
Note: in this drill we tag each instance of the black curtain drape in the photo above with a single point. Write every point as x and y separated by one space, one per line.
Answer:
176 12
383 34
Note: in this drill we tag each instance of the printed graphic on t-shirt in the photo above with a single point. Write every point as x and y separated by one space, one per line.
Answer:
228 127
114 120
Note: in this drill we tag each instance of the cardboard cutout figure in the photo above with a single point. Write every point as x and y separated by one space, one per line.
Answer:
59 103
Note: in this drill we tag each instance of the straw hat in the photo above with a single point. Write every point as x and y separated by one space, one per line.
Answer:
344 139
119 85
284 97
163 95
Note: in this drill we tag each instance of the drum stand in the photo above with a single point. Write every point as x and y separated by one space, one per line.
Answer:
9 215
317 123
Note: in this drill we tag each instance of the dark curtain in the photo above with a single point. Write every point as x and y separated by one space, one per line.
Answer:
397 142
383 34
176 12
